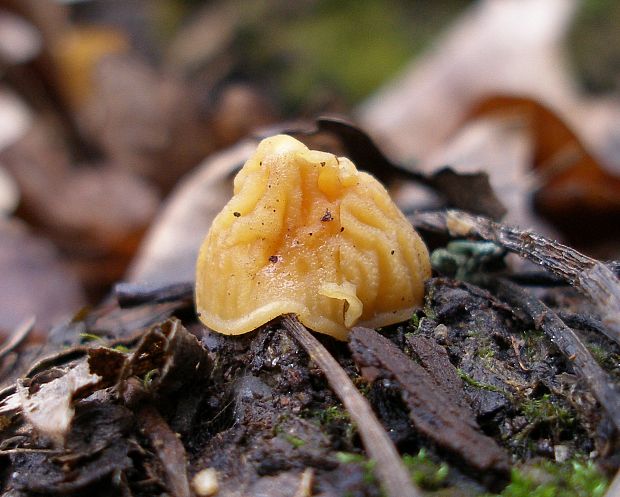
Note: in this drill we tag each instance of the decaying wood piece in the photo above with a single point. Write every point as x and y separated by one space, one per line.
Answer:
567 341
591 277
389 467
435 361
434 414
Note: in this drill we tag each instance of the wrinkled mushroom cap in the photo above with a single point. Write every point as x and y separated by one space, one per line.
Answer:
306 233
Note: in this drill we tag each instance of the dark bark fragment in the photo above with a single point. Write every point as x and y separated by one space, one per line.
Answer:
430 409
168 447
434 359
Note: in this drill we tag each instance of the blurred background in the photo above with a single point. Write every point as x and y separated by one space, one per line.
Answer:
120 120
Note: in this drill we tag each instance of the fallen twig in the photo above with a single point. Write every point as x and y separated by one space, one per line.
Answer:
591 277
584 322
389 467
132 294
614 487
169 450
566 340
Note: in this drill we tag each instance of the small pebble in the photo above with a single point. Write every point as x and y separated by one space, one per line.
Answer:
544 448
562 453
205 482
441 332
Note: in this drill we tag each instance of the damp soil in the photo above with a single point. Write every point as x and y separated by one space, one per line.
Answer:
469 390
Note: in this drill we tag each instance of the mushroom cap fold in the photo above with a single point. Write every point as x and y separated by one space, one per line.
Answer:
307 233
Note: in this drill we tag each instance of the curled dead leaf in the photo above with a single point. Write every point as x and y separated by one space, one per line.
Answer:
573 187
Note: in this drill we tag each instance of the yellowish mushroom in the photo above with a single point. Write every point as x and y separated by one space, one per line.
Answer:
307 233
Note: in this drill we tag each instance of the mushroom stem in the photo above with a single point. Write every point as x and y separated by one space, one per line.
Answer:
389 467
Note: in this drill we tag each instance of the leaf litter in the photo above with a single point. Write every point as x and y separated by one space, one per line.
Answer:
476 386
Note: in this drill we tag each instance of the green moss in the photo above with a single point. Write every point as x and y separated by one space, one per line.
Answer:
599 354
485 352
429 312
350 457
424 472
548 414
280 428
333 414
362 385
548 410
148 377
473 334
606 358
548 479
484 386
294 441
90 337
533 342
415 321
367 464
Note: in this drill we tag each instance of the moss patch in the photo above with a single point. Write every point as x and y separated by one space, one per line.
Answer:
547 479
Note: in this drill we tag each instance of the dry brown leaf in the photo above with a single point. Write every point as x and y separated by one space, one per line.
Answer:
186 217
203 38
34 281
9 193
76 54
19 41
572 186
145 122
96 214
49 407
15 118
512 46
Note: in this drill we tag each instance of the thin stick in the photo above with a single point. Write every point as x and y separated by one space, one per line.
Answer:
168 447
614 487
584 322
389 466
591 277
